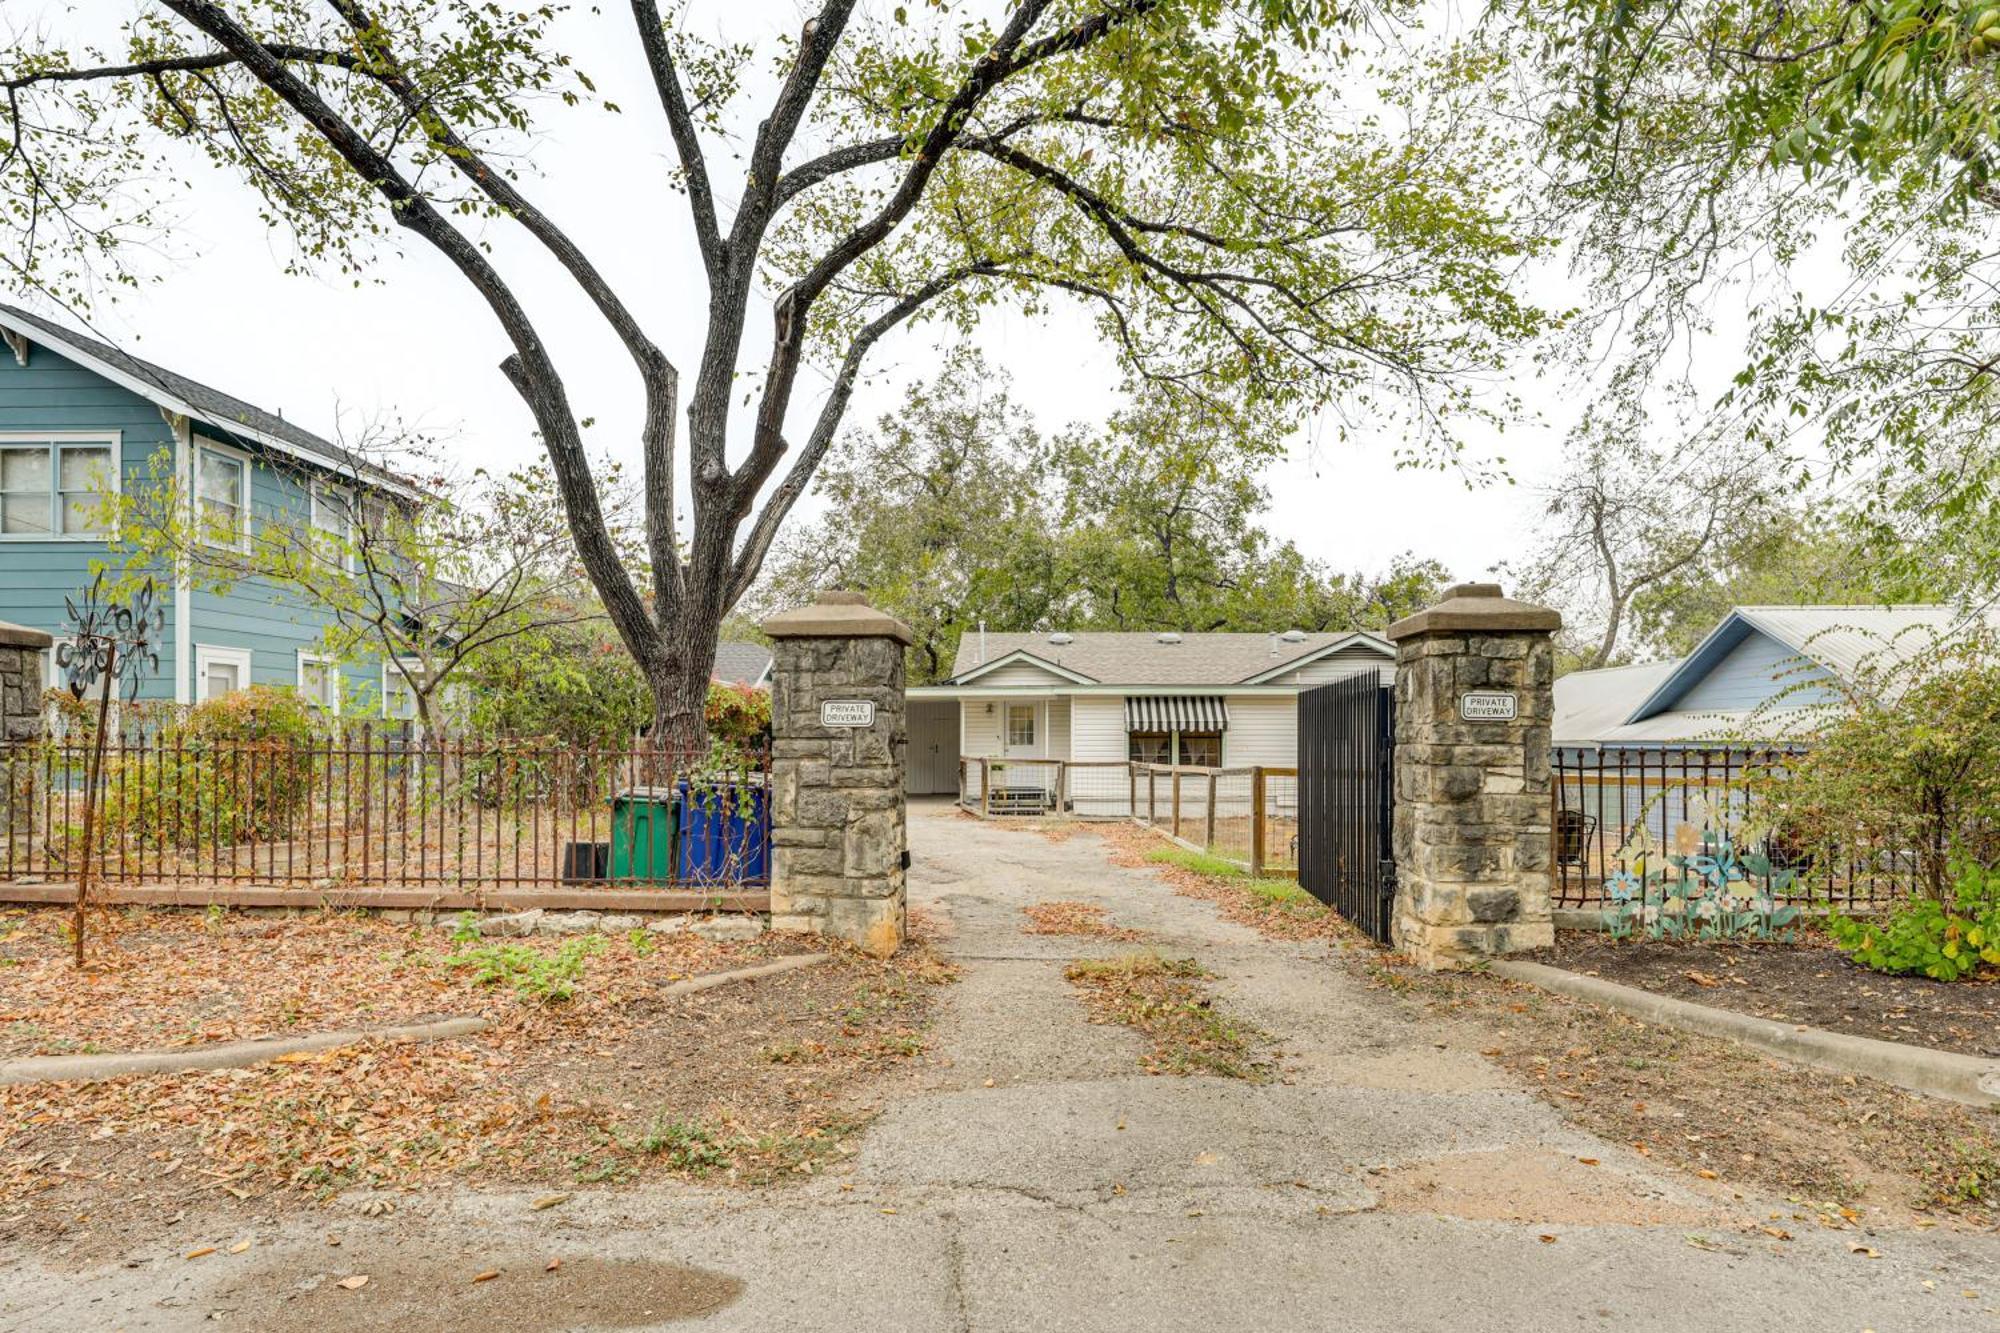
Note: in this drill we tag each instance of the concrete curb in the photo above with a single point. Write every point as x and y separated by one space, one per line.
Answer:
1961 1078
225 1055
713 979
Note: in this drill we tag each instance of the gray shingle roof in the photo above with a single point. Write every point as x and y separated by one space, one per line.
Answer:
1123 658
741 663
223 411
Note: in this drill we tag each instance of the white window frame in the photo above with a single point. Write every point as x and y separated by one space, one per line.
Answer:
202 446
1035 748
401 667
314 491
53 441
205 653
334 685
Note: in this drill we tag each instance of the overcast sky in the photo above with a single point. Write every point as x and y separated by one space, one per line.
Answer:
418 344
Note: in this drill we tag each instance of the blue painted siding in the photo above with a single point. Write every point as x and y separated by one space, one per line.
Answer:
51 394
1755 670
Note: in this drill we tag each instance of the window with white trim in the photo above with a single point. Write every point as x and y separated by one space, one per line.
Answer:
1021 726
56 488
333 523
399 695
222 495
220 671
319 682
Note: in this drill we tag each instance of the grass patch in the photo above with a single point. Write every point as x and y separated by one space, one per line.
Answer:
1166 1000
1273 905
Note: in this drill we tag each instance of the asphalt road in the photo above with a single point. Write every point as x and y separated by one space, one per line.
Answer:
1038 1180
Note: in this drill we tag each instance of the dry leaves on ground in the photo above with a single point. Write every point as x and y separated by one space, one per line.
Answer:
1168 1000
604 1086
1073 918
1274 912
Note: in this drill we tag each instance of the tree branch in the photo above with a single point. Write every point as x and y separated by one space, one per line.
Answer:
687 140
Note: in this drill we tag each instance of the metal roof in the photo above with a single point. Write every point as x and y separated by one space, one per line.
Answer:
1842 639
227 414
1133 658
1589 704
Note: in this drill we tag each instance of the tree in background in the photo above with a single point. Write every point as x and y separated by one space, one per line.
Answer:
1189 172
955 512
475 568
1829 167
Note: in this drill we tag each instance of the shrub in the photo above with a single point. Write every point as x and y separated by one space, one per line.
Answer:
544 978
1943 940
233 769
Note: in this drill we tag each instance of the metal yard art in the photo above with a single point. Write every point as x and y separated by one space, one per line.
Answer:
113 644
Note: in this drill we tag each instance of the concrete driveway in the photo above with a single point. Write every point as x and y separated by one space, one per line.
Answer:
1037 1180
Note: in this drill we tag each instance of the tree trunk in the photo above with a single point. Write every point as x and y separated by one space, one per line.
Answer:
678 679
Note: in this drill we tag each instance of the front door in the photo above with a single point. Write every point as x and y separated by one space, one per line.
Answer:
933 754
1021 731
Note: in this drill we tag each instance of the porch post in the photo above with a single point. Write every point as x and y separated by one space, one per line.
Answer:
1474 700
838 807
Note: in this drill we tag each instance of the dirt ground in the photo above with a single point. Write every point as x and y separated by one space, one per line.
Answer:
1828 1142
1811 983
763 1080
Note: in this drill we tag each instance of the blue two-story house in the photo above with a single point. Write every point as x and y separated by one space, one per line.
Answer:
78 417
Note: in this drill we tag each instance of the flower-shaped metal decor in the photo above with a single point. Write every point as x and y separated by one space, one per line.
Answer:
112 641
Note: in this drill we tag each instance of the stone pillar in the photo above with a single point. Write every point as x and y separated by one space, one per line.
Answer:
21 652
837 754
1474 699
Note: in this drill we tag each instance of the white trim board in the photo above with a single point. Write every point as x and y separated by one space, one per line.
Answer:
205 653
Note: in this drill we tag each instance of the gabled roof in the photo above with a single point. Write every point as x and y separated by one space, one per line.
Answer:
1839 639
1591 704
741 663
177 393
1126 658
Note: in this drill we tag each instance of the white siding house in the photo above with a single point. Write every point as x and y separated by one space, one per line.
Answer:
1033 701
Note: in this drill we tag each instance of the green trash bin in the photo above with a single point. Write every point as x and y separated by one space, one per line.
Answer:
643 829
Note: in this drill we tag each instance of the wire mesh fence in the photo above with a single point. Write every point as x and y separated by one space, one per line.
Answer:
1246 815
369 808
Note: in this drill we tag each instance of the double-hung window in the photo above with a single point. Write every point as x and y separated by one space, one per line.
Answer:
333 524
57 488
319 682
222 495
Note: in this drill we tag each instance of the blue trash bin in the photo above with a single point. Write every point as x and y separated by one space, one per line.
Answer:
725 833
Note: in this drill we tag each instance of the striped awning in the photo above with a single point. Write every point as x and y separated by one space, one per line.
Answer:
1176 712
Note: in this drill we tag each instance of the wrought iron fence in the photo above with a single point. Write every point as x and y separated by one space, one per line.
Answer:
370 807
1619 818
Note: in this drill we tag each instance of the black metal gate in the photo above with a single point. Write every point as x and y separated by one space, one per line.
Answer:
1347 787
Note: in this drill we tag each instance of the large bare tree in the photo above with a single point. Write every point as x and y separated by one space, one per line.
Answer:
1186 170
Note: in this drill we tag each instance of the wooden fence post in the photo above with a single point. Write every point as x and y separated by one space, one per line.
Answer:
1257 822
1132 798
985 789
1152 798
1062 787
1209 832
1177 801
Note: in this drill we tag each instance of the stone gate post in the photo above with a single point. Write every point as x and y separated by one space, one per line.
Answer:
21 652
837 751
1474 700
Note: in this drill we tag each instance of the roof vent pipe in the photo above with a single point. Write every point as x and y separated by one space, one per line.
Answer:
1274 643
982 642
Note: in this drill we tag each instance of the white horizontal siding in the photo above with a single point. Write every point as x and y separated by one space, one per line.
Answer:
1262 730
1097 727
1019 673
1057 715
1338 666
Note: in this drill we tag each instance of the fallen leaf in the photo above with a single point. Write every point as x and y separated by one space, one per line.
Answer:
1546 1239
239 1247
1701 978
1778 1233
1864 1250
1206 1159
486 1276
204 1250
355 1283
1706 1174
549 1201
552 1265
1587 1161
890 1211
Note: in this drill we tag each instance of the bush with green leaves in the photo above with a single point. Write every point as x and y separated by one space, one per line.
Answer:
1946 941
235 769
536 976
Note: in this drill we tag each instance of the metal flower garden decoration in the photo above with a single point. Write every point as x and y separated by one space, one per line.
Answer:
1707 891
113 644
